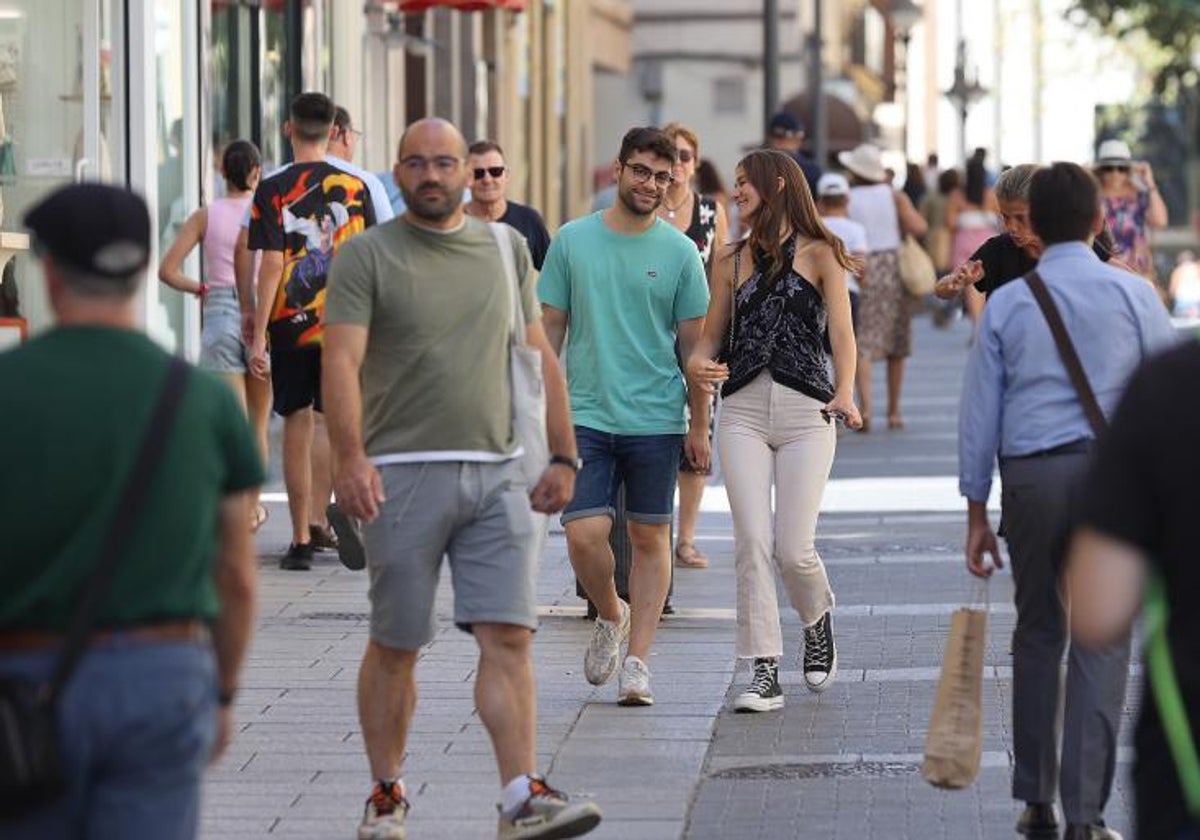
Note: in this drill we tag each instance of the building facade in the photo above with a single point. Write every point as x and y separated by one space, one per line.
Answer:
146 92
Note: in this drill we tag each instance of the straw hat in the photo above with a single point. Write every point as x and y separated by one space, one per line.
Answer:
865 162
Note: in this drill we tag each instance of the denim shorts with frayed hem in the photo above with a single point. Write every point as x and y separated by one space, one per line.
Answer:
648 466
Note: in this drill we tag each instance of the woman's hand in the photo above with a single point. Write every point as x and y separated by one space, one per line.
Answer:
706 374
842 405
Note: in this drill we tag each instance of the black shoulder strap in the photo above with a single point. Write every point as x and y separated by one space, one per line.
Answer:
128 510
1066 349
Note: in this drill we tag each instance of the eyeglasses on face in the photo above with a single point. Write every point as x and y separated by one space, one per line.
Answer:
1114 168
444 164
642 174
684 155
494 171
351 130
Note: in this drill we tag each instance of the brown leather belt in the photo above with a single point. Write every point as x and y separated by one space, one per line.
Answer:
180 630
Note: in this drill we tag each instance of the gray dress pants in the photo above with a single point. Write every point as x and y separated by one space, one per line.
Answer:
1038 503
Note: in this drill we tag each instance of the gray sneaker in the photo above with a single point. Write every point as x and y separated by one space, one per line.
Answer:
634 684
385 815
548 814
604 651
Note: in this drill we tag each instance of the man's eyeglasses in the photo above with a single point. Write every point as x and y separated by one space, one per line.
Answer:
494 171
642 174
444 164
684 155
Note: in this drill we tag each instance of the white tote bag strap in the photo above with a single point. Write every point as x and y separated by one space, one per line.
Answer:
500 232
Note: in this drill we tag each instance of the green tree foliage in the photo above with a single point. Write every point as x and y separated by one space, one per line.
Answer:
1174 25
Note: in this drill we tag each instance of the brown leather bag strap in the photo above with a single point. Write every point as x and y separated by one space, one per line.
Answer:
1066 349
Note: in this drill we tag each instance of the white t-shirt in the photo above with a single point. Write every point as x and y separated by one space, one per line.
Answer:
853 236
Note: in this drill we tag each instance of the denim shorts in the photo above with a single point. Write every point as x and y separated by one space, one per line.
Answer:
221 347
648 466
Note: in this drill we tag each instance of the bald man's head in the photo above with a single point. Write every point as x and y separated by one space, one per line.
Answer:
431 169
436 129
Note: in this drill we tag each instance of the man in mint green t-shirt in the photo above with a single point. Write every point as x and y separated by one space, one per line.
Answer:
628 286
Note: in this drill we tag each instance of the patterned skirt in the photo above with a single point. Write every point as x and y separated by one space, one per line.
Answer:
884 316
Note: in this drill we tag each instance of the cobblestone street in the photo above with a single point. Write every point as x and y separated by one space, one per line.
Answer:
839 765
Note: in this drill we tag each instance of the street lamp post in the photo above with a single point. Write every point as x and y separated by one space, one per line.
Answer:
964 93
905 14
770 59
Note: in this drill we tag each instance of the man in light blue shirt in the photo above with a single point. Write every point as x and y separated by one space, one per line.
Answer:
1018 404
627 284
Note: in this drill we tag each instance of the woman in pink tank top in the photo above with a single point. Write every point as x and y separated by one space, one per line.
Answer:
216 229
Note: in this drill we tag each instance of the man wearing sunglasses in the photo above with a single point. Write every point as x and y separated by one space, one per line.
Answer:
487 176
627 284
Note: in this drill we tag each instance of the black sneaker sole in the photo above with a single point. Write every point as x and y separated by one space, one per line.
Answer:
351 550
290 564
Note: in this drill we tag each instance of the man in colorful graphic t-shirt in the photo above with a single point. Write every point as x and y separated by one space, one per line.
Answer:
300 216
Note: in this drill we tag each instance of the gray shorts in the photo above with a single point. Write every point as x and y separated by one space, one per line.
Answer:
476 514
221 347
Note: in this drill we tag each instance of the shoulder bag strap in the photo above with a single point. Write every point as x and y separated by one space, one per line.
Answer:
1066 350
129 509
500 232
1172 712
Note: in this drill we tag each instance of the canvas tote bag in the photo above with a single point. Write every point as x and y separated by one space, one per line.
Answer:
954 744
525 374
916 268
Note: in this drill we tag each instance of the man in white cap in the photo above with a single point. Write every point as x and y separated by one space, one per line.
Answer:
833 202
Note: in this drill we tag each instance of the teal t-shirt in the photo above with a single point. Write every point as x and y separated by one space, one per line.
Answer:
74 406
624 296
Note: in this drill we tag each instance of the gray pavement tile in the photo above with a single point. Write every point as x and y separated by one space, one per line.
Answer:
297 768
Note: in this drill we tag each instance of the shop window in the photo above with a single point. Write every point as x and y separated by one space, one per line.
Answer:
729 95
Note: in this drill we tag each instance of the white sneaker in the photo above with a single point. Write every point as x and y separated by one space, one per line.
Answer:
634 685
385 815
604 651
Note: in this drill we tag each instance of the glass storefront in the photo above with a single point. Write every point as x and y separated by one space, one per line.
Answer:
59 67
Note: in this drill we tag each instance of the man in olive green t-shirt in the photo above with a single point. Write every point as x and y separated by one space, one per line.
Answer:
416 391
74 410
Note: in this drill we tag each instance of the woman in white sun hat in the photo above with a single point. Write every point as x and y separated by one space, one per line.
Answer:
885 321
1132 204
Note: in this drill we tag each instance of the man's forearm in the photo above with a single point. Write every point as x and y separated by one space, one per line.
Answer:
236 582
268 285
559 430
977 513
342 398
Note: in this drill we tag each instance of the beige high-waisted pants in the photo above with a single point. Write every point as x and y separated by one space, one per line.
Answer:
769 434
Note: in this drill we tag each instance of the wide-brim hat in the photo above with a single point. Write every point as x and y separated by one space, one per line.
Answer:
865 161
1114 153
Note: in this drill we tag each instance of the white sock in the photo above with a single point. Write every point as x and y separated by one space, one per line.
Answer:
514 795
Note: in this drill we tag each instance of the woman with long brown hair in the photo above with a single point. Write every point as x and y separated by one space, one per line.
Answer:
773 294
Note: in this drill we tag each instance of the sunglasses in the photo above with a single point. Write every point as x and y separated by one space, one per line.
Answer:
684 155
494 171
1114 168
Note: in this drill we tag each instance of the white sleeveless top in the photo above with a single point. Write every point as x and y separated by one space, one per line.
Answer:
874 207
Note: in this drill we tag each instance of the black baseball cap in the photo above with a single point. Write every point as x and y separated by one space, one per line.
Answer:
784 124
96 228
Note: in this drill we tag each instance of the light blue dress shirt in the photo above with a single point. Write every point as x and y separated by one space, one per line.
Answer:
1017 397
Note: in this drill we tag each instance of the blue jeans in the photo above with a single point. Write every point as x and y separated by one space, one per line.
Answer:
648 466
137 722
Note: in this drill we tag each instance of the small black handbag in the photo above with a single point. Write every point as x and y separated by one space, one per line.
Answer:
32 772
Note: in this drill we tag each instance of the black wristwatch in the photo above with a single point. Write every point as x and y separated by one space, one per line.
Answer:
576 464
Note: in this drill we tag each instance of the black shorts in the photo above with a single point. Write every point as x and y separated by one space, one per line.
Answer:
296 379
